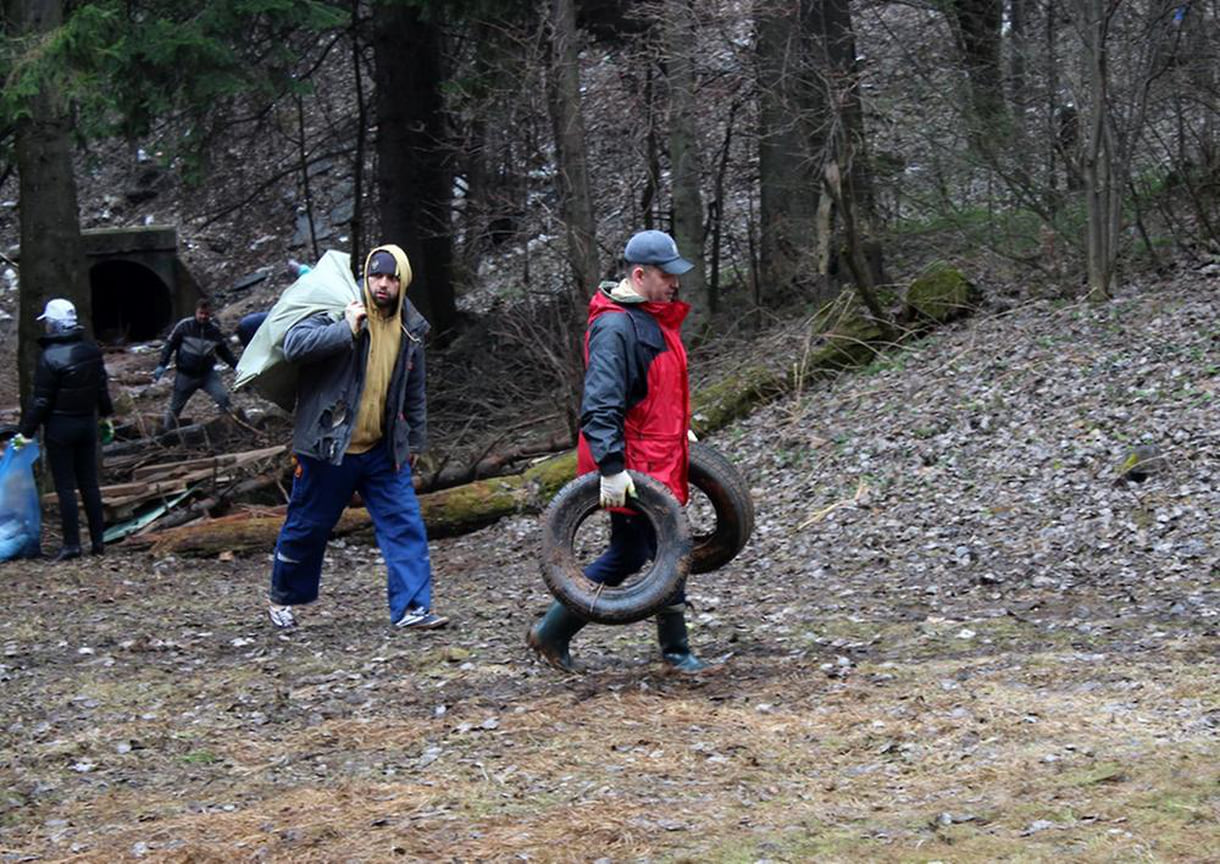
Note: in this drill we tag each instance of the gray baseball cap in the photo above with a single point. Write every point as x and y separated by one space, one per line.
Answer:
657 249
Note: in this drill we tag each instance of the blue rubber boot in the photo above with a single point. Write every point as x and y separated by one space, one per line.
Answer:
675 648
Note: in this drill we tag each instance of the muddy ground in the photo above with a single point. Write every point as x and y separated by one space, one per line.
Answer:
955 636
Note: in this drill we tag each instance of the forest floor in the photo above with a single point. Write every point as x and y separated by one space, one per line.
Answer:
954 636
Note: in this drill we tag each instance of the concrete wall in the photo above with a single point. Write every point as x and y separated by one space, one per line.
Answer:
140 287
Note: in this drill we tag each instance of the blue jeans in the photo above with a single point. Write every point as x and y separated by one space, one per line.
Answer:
632 543
320 491
185 387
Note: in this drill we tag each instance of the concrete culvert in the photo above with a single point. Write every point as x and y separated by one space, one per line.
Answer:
642 594
131 303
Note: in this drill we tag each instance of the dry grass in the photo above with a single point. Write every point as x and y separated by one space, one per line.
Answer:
741 767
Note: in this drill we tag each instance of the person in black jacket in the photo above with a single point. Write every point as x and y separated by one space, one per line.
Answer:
69 393
198 342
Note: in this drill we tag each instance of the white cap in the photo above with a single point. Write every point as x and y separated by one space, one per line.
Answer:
60 311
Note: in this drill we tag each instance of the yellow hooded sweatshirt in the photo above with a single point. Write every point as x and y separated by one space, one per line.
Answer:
385 337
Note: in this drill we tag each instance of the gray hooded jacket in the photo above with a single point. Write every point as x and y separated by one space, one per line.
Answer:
331 364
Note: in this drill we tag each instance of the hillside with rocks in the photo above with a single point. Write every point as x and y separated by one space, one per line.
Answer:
964 629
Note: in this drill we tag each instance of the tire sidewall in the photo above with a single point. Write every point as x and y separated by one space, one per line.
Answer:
642 595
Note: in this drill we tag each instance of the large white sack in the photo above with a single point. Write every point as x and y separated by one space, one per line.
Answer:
328 288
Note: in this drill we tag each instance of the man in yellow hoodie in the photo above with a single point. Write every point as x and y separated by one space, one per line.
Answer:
361 421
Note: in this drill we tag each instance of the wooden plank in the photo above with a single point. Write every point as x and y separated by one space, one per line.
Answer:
117 490
170 469
121 500
165 488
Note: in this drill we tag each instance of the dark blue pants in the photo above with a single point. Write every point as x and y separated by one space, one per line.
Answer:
633 542
320 491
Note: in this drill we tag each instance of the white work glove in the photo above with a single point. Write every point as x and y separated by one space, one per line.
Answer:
691 436
18 441
616 488
355 315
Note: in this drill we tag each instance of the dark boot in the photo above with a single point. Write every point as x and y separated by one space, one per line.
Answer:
551 634
671 633
67 553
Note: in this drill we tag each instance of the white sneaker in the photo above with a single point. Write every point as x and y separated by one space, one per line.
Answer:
417 618
281 616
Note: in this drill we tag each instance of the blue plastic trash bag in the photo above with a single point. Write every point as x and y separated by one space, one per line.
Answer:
20 509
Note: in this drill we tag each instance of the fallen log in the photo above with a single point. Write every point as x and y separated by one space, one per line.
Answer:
446 513
239 532
493 463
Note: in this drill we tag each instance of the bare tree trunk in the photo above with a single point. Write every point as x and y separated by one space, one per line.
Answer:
716 209
414 175
684 158
839 134
1115 132
567 117
1018 83
362 124
853 247
652 182
1102 189
1017 67
976 28
1050 135
1198 160
52 255
832 24
303 154
478 212
788 188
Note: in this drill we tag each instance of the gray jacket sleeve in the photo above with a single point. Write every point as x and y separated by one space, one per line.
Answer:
415 403
603 405
316 338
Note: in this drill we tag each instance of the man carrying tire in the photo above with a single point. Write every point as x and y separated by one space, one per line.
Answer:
634 414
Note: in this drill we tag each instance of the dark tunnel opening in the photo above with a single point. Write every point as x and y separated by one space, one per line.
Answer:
130 302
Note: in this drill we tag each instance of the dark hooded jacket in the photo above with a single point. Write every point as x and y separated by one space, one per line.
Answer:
69 381
332 369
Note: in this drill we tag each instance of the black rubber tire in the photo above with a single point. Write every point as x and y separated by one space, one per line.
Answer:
716 477
641 595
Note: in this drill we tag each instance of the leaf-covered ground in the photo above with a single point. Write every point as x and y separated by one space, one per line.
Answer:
953 637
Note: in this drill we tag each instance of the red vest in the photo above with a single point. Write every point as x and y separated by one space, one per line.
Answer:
655 428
